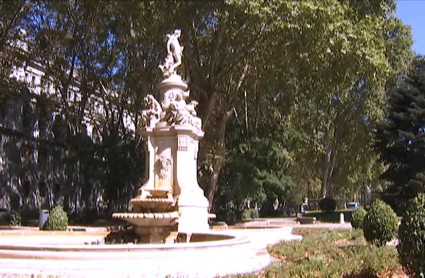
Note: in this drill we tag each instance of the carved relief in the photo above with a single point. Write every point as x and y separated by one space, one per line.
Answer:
162 167
177 112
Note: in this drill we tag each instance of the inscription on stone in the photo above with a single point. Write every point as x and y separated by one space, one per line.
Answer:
182 144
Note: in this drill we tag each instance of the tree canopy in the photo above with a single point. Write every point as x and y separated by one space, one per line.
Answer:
400 139
289 93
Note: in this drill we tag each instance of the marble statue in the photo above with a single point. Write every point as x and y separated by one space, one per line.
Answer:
153 110
174 54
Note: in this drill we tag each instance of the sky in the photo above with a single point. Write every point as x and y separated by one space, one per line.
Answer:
412 12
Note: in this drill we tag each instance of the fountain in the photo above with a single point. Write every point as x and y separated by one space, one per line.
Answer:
170 201
170 207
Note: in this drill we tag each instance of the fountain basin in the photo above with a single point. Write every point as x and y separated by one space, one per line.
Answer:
207 255
149 219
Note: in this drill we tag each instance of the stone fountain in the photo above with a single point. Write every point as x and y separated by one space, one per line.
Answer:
170 201
169 207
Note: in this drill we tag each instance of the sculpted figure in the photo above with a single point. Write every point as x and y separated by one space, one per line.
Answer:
191 107
153 110
162 167
174 54
167 68
173 96
183 117
177 114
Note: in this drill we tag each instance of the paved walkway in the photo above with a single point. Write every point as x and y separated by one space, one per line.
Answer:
292 221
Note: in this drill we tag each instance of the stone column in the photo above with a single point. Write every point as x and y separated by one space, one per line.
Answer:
192 204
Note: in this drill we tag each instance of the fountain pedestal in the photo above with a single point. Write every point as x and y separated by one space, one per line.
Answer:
170 201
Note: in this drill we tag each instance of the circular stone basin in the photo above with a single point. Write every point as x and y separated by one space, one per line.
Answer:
64 245
237 250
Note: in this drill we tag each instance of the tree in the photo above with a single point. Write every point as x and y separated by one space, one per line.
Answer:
255 67
311 65
339 55
256 173
400 139
70 166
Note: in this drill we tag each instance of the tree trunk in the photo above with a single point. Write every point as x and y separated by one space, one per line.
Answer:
213 181
326 174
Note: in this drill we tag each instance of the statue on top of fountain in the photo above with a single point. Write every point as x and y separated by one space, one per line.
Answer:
174 54
172 109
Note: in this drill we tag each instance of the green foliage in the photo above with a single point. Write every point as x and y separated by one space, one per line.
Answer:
15 218
325 253
254 213
231 217
28 214
257 171
57 220
316 67
380 223
90 216
327 204
357 234
400 142
248 214
337 80
331 216
357 218
411 235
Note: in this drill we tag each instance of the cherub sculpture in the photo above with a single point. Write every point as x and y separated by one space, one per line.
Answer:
152 112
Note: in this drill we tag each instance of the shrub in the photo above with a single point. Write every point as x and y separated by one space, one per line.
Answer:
411 234
90 216
57 220
246 215
249 214
15 219
327 204
380 224
230 216
254 213
325 253
28 214
357 218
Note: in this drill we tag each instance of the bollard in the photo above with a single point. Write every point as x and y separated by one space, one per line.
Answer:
42 218
341 218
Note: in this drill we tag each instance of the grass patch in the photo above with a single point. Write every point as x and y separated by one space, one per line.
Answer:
330 253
